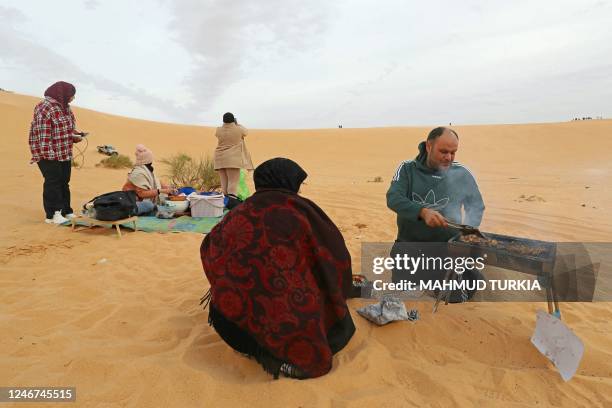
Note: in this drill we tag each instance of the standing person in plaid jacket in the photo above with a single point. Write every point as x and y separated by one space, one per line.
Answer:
52 134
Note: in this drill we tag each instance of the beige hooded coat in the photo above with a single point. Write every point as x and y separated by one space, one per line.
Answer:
231 151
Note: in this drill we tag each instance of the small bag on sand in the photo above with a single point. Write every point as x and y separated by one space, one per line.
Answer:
113 206
388 310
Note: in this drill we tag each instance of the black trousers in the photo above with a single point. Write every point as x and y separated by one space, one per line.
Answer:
56 189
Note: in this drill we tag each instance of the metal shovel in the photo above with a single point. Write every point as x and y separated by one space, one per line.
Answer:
558 343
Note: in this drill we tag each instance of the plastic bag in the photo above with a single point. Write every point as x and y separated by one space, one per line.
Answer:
388 310
243 189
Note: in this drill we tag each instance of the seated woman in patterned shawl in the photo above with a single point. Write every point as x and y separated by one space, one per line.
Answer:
280 274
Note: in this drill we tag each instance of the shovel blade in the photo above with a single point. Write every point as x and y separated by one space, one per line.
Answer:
558 343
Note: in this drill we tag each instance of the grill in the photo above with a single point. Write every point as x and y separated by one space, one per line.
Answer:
525 255
506 254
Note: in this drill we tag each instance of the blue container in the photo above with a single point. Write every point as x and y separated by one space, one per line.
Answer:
186 190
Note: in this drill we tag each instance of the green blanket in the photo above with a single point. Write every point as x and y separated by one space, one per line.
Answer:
201 225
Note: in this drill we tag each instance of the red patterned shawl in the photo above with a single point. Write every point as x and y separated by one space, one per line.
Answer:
280 271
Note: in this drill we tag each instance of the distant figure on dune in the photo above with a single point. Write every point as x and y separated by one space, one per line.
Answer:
231 155
279 273
52 134
144 182
428 192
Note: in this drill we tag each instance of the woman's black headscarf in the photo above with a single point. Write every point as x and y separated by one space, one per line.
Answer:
279 173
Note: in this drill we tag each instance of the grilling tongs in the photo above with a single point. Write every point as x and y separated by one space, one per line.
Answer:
466 229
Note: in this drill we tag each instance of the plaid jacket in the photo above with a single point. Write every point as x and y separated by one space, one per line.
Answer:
51 132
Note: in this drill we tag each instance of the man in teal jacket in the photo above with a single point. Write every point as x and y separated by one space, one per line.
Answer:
427 192
433 188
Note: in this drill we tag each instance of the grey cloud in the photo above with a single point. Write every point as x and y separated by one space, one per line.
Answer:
225 39
92 4
11 15
45 63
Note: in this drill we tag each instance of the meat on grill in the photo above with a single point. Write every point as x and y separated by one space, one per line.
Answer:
513 247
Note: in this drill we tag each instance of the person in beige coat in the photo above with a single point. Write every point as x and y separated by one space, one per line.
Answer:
231 154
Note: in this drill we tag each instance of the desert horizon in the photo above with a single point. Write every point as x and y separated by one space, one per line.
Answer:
177 123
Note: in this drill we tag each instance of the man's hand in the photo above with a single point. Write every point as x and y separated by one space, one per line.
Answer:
433 218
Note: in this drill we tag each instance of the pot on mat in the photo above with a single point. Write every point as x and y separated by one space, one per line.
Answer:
177 206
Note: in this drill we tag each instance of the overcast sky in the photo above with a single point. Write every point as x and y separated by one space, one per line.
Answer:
306 64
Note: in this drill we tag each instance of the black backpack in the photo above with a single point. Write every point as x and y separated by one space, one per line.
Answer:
114 206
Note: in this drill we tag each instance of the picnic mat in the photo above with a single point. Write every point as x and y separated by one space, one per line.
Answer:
201 225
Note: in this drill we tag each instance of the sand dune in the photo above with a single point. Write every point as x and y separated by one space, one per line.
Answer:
120 320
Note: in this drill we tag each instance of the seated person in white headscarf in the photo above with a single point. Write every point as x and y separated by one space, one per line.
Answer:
144 182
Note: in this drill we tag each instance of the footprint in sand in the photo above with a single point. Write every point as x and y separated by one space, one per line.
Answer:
33 249
531 198
515 321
